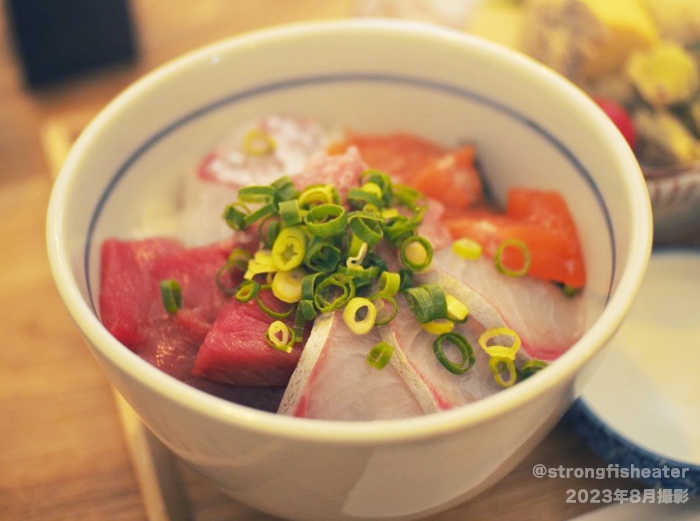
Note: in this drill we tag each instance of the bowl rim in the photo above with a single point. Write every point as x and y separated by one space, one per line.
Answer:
343 432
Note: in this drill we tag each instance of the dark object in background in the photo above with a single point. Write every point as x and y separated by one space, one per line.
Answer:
55 39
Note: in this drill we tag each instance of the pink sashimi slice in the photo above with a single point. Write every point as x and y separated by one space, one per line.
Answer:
448 389
334 381
235 351
215 181
547 321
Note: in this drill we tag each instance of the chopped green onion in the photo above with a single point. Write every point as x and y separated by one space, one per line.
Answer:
322 256
260 213
360 315
289 212
171 292
389 284
289 249
306 309
499 350
503 370
259 264
235 215
531 367
256 194
467 249
359 198
280 336
416 253
382 180
326 220
247 291
468 358
439 326
285 189
286 285
386 309
317 195
398 229
380 355
258 143
367 227
456 310
500 252
237 259
427 302
334 292
308 285
268 229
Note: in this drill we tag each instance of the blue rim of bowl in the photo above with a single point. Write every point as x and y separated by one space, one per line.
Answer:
299 82
617 449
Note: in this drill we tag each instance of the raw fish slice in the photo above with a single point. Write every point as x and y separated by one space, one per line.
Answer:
333 380
342 171
449 390
547 321
235 350
215 182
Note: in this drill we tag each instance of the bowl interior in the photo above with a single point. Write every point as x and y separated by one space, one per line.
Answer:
531 128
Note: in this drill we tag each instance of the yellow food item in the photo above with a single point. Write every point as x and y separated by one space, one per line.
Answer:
664 139
664 75
678 20
586 38
500 21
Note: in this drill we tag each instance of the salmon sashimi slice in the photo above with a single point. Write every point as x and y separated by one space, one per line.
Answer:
541 220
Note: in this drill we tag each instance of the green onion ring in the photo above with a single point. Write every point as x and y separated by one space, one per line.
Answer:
389 284
380 355
337 281
499 365
235 215
280 336
269 311
386 309
285 189
465 349
256 215
322 256
289 212
247 291
256 194
428 302
531 367
407 253
519 244
326 220
366 226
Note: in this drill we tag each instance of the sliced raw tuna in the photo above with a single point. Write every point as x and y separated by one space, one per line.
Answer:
235 351
334 381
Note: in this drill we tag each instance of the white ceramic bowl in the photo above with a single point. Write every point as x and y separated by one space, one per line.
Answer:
532 129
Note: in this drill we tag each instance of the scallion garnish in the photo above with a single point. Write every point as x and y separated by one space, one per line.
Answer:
467 249
416 253
360 315
247 291
289 212
333 292
258 143
466 353
500 262
171 292
380 355
326 220
531 367
503 369
280 336
289 248
428 302
505 351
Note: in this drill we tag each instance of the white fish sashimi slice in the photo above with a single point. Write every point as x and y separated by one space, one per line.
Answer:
416 344
547 321
334 381
215 181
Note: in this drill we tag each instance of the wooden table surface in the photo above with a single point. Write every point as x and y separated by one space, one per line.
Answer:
63 451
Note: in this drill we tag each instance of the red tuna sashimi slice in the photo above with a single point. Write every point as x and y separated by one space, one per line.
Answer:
235 351
448 389
547 321
131 306
334 381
